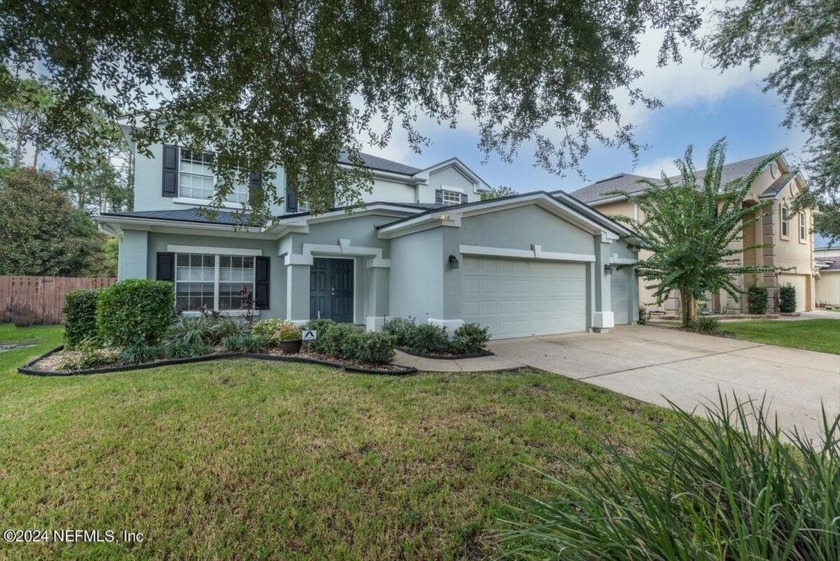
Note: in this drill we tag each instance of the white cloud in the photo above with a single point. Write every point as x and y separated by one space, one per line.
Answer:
657 166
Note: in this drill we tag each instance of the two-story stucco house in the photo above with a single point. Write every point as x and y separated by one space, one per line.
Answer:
423 245
788 232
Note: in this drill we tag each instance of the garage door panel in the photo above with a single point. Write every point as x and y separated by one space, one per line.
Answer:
526 298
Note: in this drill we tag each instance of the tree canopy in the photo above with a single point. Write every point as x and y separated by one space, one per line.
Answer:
271 83
690 228
804 35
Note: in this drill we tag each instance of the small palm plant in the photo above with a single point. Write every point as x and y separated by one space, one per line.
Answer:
730 487
694 228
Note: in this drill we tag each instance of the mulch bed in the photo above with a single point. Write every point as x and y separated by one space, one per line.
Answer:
47 364
443 356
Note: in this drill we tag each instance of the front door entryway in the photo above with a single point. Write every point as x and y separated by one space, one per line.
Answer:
331 290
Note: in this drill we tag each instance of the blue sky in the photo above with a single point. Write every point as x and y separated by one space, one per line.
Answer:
701 105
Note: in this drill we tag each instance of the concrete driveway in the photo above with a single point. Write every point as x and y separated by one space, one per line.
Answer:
653 363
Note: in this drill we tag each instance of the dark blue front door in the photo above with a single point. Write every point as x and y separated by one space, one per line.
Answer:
331 290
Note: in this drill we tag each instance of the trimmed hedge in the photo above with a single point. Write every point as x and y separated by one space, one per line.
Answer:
135 311
757 299
787 299
470 338
346 341
80 316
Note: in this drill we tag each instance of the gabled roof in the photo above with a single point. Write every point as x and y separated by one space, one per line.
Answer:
828 264
627 182
380 164
777 186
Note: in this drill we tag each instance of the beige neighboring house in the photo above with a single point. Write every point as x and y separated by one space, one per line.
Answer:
790 233
827 258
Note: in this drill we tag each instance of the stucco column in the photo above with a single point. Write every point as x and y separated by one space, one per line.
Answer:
134 255
376 296
297 292
602 318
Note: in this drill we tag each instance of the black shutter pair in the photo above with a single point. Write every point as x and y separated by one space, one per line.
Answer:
464 198
170 171
255 188
262 281
291 198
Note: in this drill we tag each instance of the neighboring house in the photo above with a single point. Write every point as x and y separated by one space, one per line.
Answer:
789 233
827 259
424 245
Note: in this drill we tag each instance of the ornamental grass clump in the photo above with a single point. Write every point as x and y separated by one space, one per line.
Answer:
730 487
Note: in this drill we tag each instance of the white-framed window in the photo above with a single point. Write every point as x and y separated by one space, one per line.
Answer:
803 226
206 281
450 197
785 219
197 181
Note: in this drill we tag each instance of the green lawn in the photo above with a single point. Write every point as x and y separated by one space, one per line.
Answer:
814 334
246 459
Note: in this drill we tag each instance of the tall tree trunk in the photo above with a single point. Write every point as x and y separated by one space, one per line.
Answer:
688 308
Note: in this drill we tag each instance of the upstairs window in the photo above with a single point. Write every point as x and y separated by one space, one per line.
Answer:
803 226
450 197
785 214
197 181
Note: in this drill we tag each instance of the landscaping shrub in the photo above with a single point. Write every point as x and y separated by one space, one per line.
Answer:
732 487
177 348
80 316
757 299
643 315
375 348
204 329
787 299
470 338
276 330
400 329
706 325
321 326
140 353
331 341
134 311
429 338
88 354
245 343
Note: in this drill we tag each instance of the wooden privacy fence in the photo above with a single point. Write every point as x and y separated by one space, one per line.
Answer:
28 300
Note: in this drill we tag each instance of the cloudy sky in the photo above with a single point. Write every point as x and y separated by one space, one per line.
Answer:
700 105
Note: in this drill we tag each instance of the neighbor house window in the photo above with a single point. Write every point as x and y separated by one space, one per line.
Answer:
197 181
785 222
212 282
451 197
803 227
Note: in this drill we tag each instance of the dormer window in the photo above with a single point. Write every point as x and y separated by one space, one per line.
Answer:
197 181
449 197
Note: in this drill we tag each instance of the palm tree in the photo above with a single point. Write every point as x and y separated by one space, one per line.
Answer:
693 229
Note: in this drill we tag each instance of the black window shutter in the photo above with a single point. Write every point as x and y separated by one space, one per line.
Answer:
170 170
254 185
439 196
464 198
261 283
291 199
166 266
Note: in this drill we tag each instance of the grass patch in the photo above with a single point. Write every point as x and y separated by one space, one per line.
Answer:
247 459
814 334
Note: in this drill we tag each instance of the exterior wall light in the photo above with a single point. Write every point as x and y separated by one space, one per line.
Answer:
453 262
608 269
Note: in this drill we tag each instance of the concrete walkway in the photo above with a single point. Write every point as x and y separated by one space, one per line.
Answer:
656 364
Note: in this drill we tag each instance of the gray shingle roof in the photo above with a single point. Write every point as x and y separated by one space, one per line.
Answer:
833 263
381 164
185 215
628 182
777 186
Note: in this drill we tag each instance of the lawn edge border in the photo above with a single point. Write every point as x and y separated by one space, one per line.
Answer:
409 351
27 368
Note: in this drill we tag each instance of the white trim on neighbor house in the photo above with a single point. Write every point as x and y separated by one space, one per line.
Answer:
535 252
214 250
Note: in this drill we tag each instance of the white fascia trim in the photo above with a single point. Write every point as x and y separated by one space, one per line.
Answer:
480 184
341 249
452 188
177 226
214 250
395 177
615 260
535 252
206 203
421 223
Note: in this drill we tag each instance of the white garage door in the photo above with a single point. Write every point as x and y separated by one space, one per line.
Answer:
620 295
520 298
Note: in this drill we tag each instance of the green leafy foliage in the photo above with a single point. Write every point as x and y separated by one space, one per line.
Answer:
178 348
429 338
800 37
332 340
246 343
87 356
80 316
400 329
204 329
734 487
706 325
787 299
545 75
643 315
757 299
691 226
498 193
375 348
135 311
40 231
470 338
140 353
346 341
277 330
